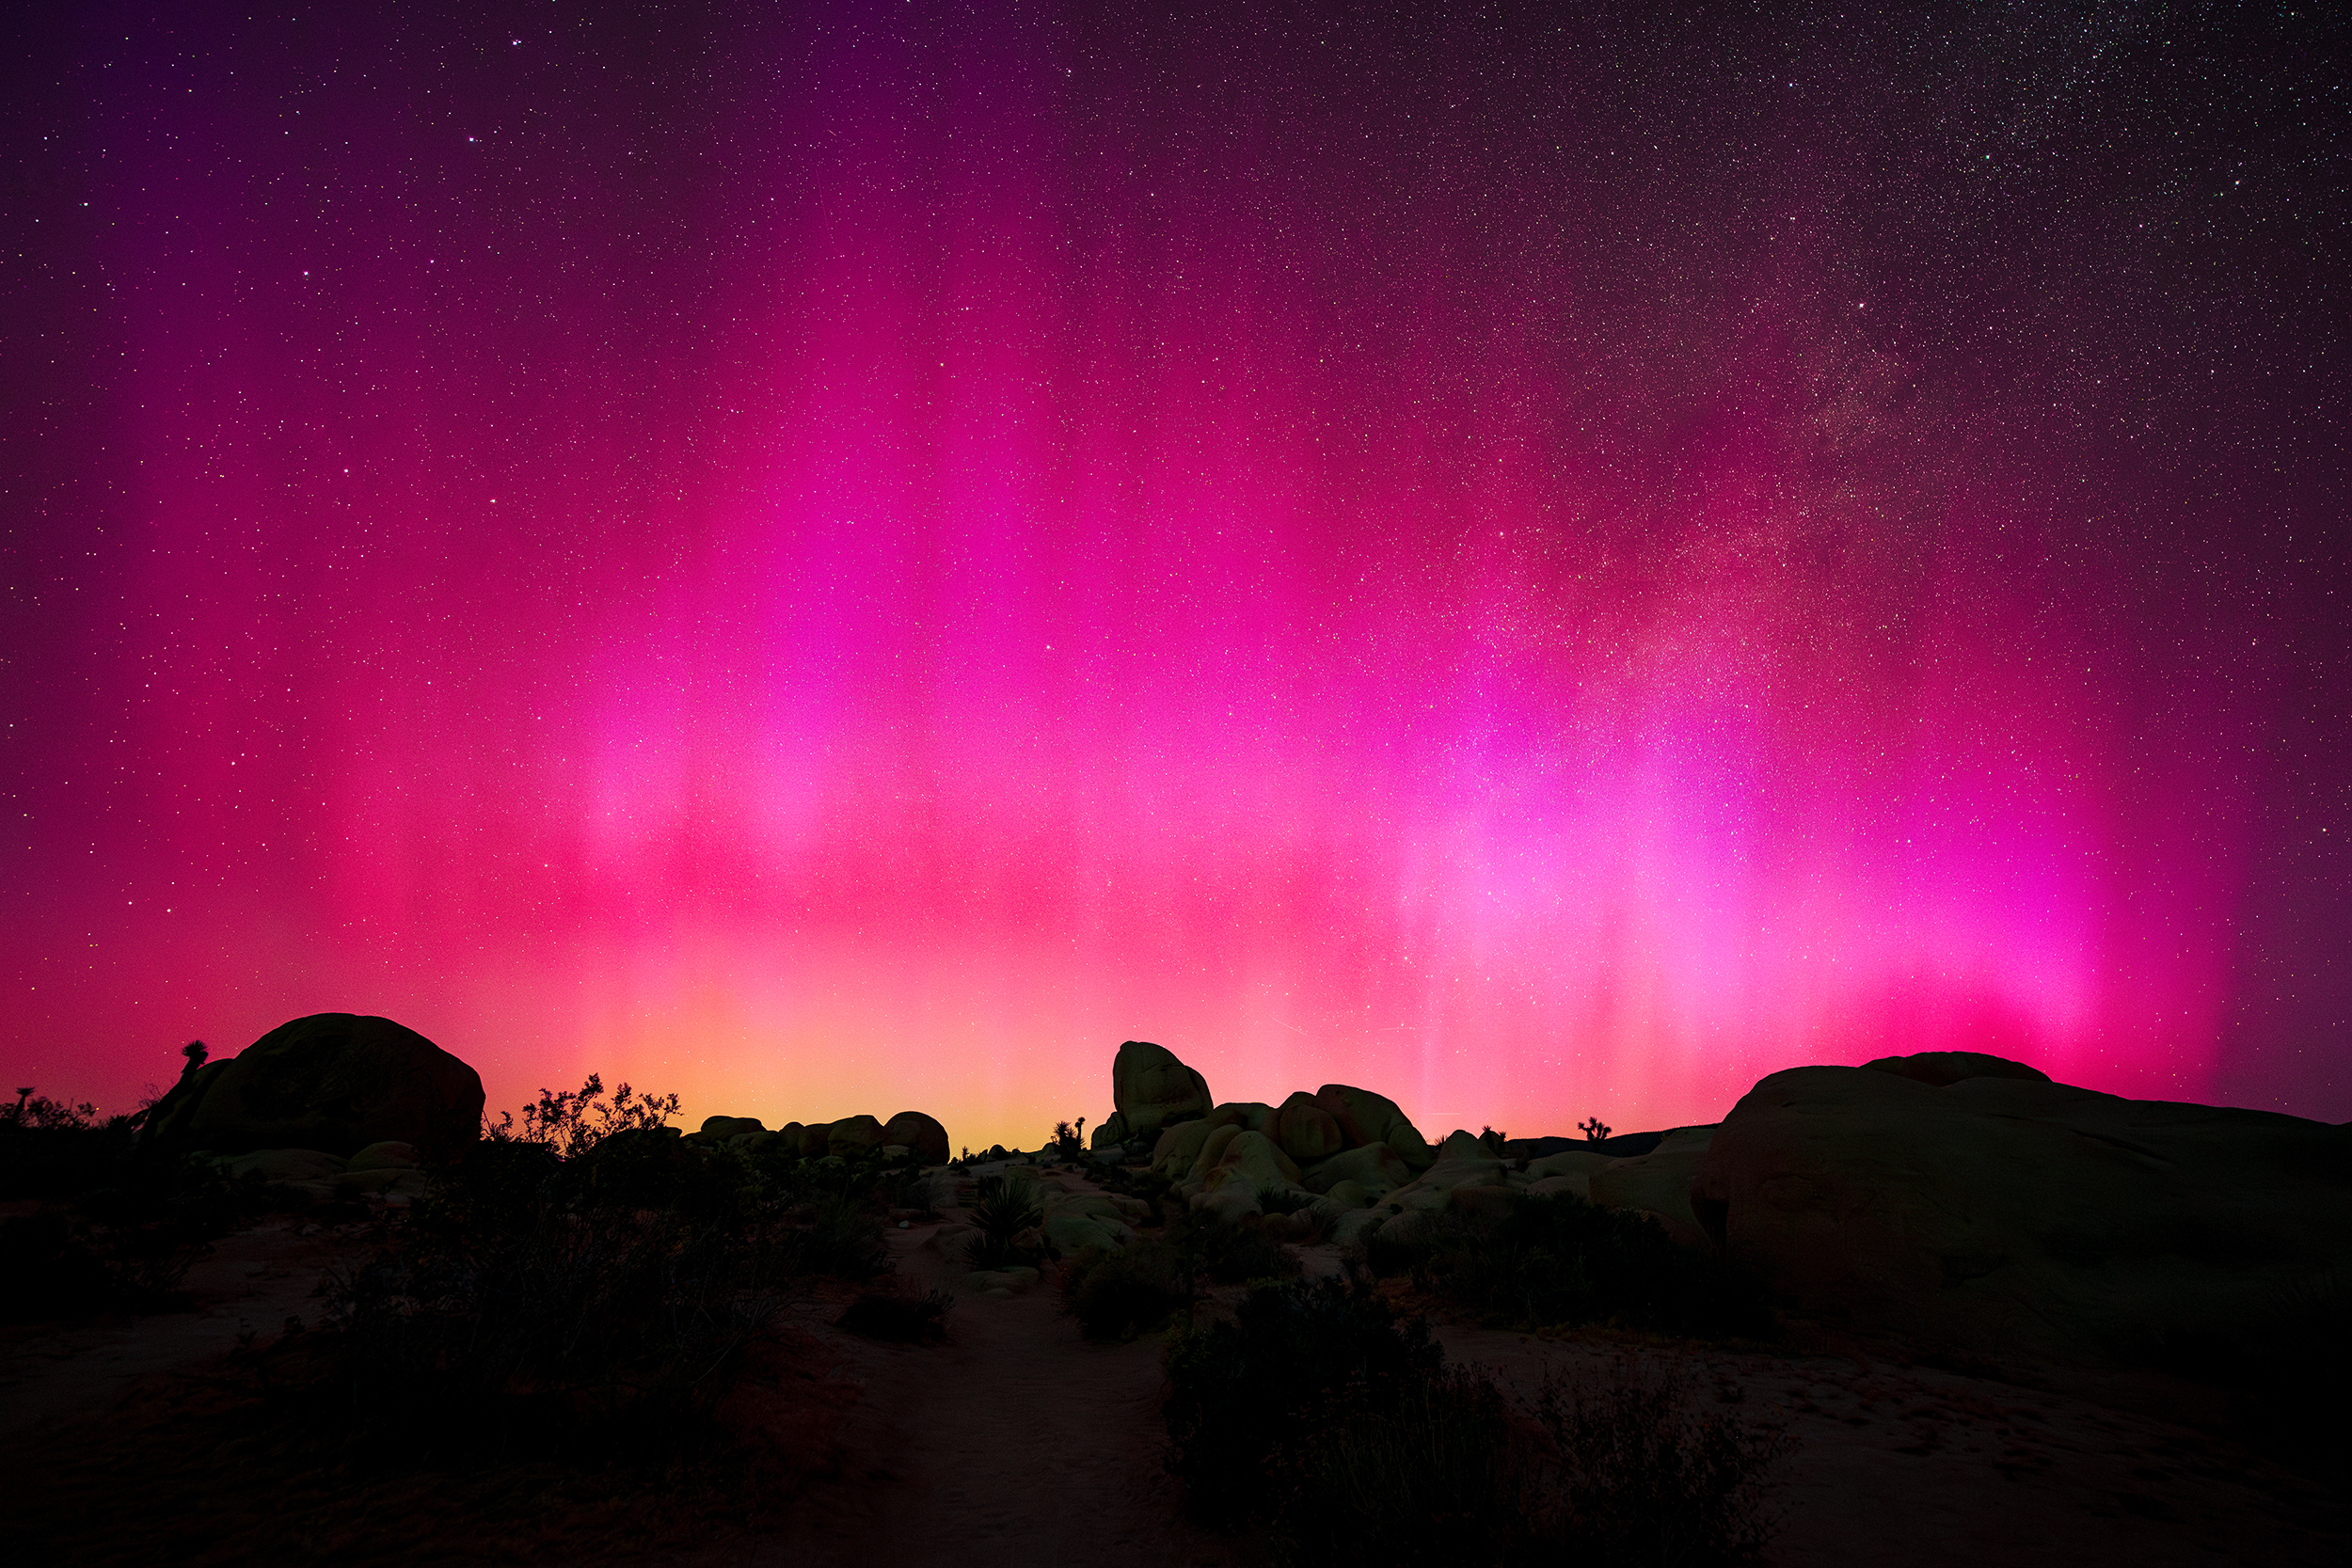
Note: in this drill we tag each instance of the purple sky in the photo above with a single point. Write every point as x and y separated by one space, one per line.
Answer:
1545 561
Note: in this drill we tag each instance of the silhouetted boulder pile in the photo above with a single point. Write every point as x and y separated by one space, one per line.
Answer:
850 1137
1365 1118
1968 1201
1152 1089
854 1135
724 1129
332 1082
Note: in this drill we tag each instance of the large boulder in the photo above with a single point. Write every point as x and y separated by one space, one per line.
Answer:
1075 1220
1112 1133
1941 1069
922 1133
718 1130
854 1135
287 1164
1253 1116
1658 1182
2009 1214
1213 1148
1153 1089
1306 1131
1463 1162
1375 1169
1253 1160
1179 1146
1365 1118
1568 1171
336 1082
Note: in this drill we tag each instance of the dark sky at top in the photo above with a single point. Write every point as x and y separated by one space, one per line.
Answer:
1547 556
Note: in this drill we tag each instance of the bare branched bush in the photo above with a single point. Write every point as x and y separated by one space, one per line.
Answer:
573 1121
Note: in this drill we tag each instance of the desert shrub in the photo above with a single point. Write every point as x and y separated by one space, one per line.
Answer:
1645 1474
654 1167
1434 1475
1238 1254
1339 1433
1119 1293
838 1235
124 1244
571 1123
1558 1259
538 1302
899 1319
34 1112
1237 1389
1004 1207
522 1327
50 1148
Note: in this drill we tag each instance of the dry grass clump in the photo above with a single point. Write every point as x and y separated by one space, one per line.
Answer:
1319 1419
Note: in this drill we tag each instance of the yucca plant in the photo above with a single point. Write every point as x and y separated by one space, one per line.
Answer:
1002 1209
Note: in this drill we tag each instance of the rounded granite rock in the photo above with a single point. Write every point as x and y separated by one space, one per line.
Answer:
923 1134
2003 1213
336 1082
1306 1131
1152 1089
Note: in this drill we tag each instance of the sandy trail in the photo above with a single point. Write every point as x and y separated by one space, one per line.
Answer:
1014 1440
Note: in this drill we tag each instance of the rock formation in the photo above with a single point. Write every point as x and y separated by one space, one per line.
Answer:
720 1128
1365 1118
854 1135
1306 1131
1152 1089
920 1132
1971 1202
333 1081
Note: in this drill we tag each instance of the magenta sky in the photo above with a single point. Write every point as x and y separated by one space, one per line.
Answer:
855 560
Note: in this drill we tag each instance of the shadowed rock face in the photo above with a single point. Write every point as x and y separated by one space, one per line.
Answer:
1153 1089
2003 1213
854 1135
1375 1170
1254 1160
1306 1131
1366 1117
1941 1069
920 1132
336 1082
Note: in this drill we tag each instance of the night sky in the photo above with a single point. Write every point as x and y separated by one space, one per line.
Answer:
1545 560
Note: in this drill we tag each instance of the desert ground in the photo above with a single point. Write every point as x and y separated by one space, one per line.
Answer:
1013 1439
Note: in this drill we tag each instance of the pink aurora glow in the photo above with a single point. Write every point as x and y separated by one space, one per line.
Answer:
877 624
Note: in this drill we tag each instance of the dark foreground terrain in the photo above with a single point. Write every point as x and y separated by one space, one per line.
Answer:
171 1437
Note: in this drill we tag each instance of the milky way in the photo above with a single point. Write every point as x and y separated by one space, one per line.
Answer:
1546 564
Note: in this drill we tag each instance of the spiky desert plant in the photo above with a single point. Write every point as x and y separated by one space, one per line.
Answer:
1002 1208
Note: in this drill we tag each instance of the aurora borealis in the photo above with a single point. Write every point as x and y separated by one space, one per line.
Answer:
1545 561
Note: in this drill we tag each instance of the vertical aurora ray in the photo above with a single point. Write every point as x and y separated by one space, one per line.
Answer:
869 561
